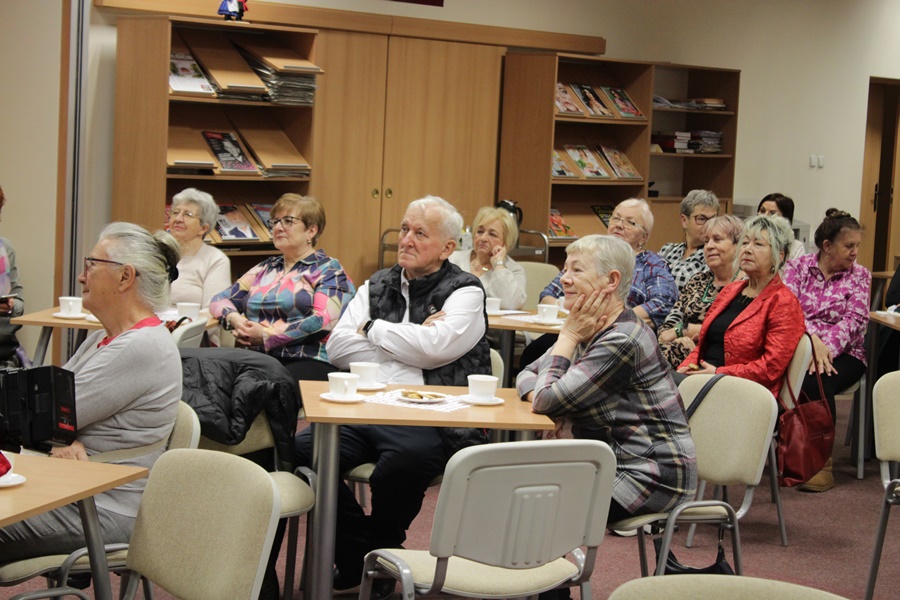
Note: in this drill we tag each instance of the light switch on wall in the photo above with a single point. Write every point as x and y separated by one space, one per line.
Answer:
821 161
813 160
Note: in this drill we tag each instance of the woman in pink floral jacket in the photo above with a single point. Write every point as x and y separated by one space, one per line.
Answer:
833 291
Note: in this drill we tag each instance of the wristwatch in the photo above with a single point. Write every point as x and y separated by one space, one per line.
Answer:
367 327
500 263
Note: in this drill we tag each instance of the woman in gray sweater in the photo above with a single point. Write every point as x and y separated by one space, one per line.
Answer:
127 384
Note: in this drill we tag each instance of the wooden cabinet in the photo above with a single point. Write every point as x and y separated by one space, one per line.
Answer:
396 119
147 119
677 174
531 128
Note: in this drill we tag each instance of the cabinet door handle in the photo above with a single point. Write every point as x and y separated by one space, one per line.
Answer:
375 193
388 193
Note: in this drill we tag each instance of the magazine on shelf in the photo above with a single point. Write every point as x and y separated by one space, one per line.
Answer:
591 100
559 229
561 167
619 162
185 76
591 165
565 104
603 212
228 152
622 102
233 225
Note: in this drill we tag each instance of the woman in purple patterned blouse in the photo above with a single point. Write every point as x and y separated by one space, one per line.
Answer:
833 291
287 305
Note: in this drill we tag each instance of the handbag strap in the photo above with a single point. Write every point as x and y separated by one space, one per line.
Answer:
702 394
787 380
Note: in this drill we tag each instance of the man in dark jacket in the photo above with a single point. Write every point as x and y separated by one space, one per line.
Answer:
424 322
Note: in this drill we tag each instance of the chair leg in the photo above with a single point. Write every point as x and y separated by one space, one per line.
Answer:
736 549
585 590
642 552
859 399
291 559
701 491
775 491
879 539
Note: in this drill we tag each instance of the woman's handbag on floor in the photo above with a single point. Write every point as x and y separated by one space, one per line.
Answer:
805 435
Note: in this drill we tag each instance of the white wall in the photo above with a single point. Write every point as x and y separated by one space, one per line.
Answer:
805 70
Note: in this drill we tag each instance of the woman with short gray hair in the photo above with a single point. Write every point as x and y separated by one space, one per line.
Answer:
605 374
753 326
204 270
685 259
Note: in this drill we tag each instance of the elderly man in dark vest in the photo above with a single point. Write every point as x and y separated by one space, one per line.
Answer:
424 321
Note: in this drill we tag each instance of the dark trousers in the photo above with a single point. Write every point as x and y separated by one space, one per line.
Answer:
308 369
849 371
406 459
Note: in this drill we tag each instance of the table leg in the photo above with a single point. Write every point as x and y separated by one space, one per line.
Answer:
861 446
507 346
40 352
94 543
326 465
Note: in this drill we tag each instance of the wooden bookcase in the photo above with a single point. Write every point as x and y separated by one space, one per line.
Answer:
146 112
531 129
677 174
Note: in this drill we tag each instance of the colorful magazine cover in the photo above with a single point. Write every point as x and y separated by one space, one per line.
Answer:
228 151
232 224
564 102
622 102
588 162
591 99
560 168
619 162
186 77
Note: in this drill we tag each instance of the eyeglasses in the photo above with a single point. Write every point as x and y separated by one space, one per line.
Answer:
701 219
187 214
89 263
286 222
626 223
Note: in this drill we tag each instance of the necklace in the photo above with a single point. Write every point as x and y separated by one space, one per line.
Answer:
706 299
476 265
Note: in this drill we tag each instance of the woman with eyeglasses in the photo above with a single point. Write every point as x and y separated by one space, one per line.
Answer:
286 306
203 270
652 293
127 385
685 258
779 205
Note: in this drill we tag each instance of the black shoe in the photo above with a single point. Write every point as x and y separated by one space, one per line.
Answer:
342 582
79 581
383 588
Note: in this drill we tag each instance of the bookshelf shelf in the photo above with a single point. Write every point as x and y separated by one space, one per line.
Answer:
689 156
170 126
618 182
688 111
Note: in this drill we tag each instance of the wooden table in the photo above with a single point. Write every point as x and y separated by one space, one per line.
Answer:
328 417
507 328
53 482
48 323
863 434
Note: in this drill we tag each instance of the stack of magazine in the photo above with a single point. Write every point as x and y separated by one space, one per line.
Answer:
295 89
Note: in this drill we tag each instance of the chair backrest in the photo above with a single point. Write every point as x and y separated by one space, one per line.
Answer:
258 437
886 414
186 433
205 527
523 504
189 335
690 587
537 276
732 428
796 371
497 365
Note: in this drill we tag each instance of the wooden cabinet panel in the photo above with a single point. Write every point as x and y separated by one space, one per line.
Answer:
443 104
348 145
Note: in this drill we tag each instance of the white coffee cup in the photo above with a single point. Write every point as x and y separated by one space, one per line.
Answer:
11 457
342 385
188 309
546 313
70 305
492 305
482 388
367 371
561 302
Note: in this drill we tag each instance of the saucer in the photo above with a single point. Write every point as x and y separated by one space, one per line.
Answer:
551 323
354 398
60 315
371 387
470 400
11 480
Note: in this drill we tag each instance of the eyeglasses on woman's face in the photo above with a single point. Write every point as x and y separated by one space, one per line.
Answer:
286 222
626 223
90 262
184 214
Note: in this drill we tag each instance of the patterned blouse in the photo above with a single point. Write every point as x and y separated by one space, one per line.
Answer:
689 309
298 309
652 287
836 310
683 270
618 389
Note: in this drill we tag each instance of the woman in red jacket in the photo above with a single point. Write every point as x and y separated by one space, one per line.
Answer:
753 326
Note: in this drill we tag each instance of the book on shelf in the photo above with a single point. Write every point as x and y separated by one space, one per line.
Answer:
561 167
263 212
229 153
275 153
185 75
621 165
591 101
590 164
603 212
690 104
233 224
622 102
565 104
559 229
254 213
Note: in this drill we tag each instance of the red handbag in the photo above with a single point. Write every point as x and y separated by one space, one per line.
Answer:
805 436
